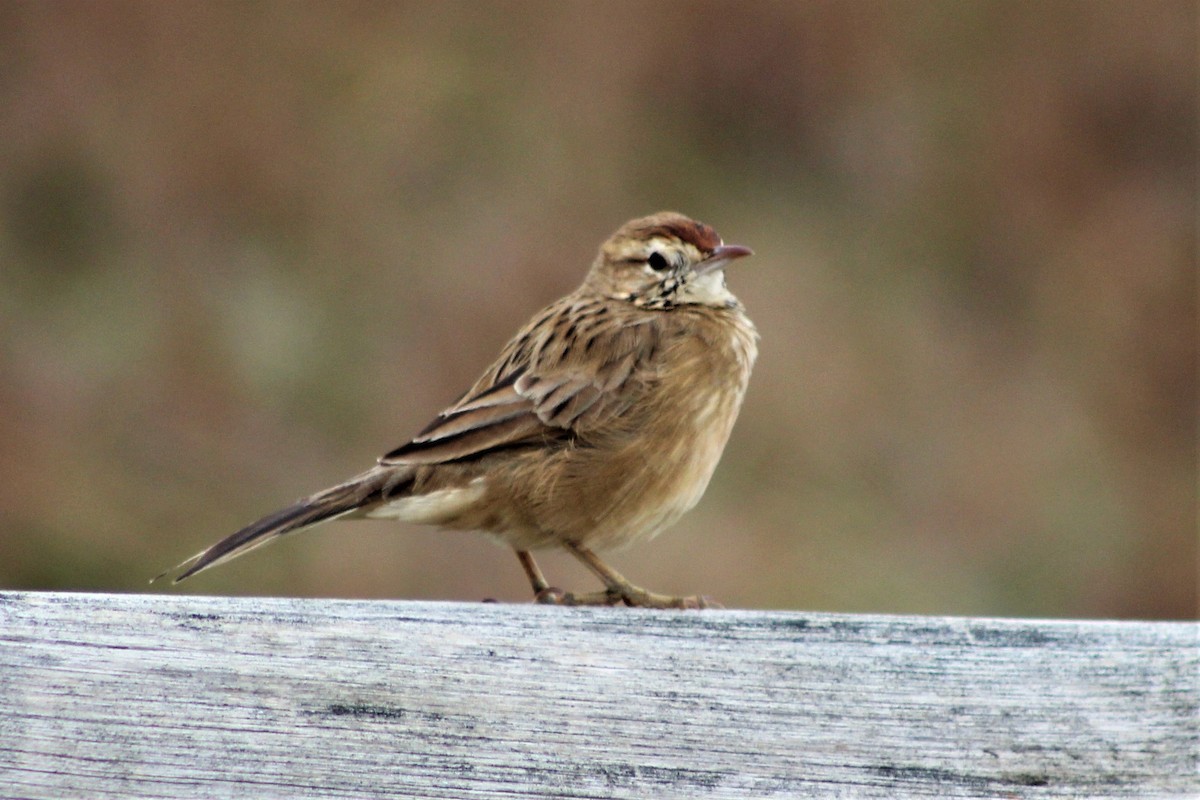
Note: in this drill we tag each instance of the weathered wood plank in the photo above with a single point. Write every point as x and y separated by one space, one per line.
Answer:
203 697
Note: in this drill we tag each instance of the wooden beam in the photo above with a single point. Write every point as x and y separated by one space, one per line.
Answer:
171 696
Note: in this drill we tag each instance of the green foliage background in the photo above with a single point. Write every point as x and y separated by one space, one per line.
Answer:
247 247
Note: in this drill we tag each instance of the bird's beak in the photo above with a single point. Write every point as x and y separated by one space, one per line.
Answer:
721 257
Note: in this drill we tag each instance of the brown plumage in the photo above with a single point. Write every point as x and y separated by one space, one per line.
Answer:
599 425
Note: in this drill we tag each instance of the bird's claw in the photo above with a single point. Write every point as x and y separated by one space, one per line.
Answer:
634 598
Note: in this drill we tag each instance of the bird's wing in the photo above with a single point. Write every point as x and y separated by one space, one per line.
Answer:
548 386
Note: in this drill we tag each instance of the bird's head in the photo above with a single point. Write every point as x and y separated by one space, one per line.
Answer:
663 261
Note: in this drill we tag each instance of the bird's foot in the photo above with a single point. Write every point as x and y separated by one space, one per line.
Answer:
632 596
636 596
557 597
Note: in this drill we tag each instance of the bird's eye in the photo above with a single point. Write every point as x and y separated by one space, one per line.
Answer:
657 261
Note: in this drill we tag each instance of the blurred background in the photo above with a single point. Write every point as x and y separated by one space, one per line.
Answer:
247 248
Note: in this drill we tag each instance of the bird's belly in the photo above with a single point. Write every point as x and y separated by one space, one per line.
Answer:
675 484
628 483
612 499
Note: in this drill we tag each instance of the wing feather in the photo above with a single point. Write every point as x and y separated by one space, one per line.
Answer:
543 389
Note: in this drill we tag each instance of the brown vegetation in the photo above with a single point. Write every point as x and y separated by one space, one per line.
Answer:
240 245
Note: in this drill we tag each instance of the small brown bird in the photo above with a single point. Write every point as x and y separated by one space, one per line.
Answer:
598 426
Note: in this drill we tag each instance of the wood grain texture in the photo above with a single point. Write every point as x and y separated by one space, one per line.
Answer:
206 697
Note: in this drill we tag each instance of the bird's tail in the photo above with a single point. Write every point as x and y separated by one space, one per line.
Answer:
338 501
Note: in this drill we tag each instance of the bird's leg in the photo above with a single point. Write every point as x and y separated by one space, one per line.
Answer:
536 579
543 592
620 589
546 594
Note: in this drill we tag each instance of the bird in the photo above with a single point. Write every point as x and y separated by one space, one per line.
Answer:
598 426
